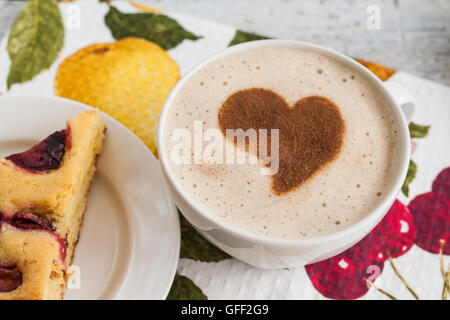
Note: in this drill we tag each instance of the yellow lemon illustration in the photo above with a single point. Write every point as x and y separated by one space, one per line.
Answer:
129 79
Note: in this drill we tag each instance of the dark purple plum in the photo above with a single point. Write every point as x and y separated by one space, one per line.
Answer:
10 278
29 221
46 155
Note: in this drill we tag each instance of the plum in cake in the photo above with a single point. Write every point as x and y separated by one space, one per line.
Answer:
31 264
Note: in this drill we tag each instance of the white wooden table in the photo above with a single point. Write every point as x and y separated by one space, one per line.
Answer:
414 35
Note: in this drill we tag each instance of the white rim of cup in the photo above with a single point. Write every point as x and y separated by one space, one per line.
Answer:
376 215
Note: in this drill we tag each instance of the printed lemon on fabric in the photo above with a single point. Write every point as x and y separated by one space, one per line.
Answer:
129 79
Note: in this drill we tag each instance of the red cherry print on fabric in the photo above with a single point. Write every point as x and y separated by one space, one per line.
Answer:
431 212
343 276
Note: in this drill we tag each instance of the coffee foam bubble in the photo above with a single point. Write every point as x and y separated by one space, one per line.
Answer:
338 196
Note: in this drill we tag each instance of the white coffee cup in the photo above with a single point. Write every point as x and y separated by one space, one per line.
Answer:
264 252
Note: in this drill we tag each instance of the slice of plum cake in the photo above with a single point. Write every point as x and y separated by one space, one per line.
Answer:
43 196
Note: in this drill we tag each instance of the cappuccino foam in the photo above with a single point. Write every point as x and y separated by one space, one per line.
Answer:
338 195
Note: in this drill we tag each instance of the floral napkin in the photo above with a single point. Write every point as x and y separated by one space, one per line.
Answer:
124 58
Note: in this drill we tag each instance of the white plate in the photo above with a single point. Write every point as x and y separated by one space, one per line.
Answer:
130 241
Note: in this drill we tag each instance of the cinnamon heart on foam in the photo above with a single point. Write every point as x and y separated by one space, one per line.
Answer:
310 132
